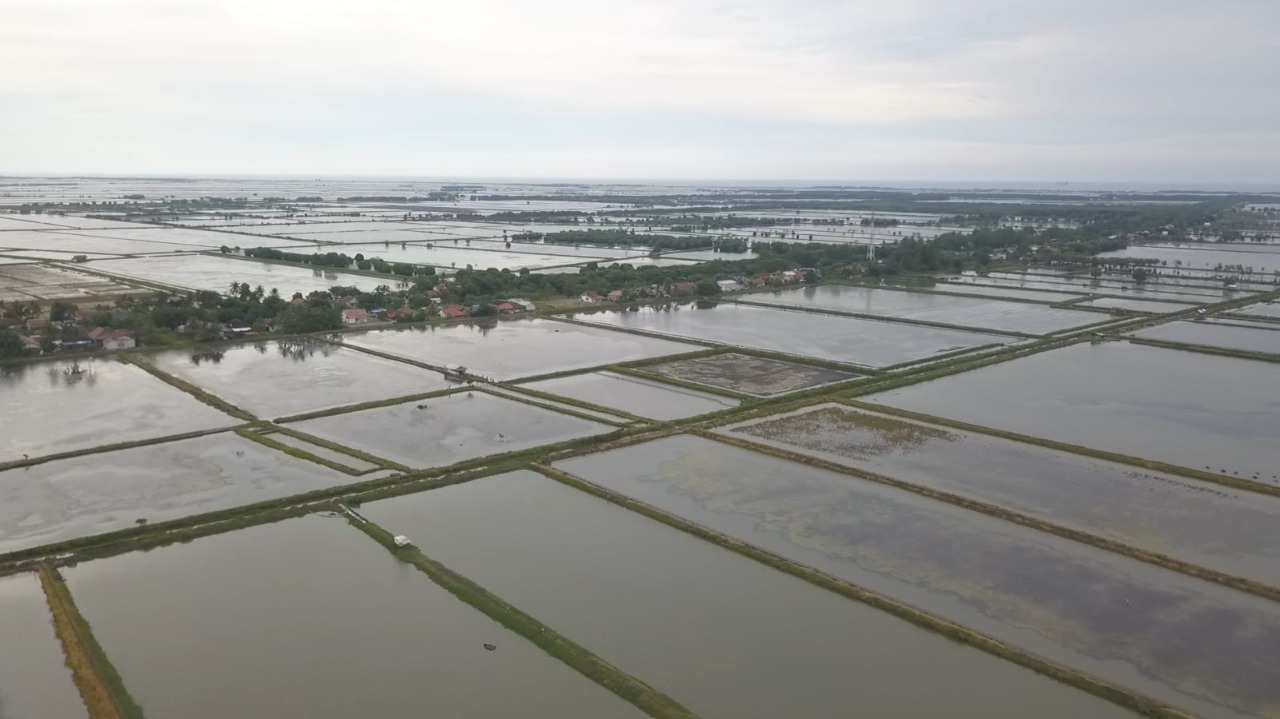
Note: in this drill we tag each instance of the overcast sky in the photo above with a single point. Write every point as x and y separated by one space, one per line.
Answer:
1121 90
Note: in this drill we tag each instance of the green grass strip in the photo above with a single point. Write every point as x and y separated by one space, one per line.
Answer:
644 697
362 406
266 441
1143 705
100 685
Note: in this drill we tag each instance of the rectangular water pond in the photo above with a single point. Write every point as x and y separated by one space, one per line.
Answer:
975 312
311 618
1262 309
274 379
1046 296
755 376
1215 335
61 406
1217 414
34 681
849 340
641 397
203 272
1194 644
82 496
1229 530
508 349
1125 303
723 635
445 430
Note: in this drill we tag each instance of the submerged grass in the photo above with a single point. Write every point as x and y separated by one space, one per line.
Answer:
641 695
98 682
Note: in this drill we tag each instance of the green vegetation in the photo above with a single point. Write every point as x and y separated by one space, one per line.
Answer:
644 697
98 682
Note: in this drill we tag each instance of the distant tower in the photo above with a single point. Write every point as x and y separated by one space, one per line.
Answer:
871 253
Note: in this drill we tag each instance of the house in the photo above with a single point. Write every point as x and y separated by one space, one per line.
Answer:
507 308
355 316
119 340
684 288
615 296
729 285
98 334
35 325
591 297
30 344
453 311
525 305
405 312
80 258
401 541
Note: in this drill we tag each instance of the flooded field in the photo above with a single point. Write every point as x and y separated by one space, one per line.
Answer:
1185 408
345 460
311 618
34 682
41 283
53 407
1124 303
1215 335
976 313
82 496
755 376
725 636
1010 292
849 340
1149 291
1189 642
1262 309
74 242
1228 530
1197 258
274 379
509 349
449 256
445 430
643 398
204 272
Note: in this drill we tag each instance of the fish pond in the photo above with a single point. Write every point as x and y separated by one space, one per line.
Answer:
1215 335
1194 644
849 340
640 397
273 379
1047 296
974 312
723 635
1217 414
1126 303
82 496
54 407
34 681
215 274
756 376
509 349
445 430
1225 529
311 618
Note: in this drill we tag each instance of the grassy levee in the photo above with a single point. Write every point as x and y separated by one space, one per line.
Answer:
563 405
98 682
1150 464
17 463
644 697
1207 349
994 510
204 396
361 406
266 441
343 449
1097 686
886 318
942 358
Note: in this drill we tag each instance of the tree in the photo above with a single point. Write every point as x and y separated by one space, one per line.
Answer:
1141 274
707 288
61 311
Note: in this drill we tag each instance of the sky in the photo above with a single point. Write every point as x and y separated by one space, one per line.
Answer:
979 90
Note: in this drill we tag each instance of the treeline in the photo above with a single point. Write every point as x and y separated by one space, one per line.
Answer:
340 261
429 197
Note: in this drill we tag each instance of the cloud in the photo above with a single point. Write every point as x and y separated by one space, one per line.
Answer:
801 86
